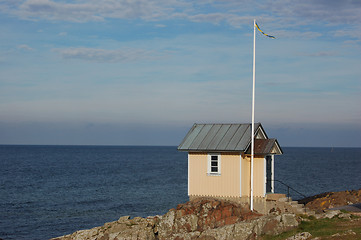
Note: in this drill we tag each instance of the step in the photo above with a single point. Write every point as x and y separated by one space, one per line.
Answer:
275 196
310 212
300 211
306 211
285 199
293 202
298 206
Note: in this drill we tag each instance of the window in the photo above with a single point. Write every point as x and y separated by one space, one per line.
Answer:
214 164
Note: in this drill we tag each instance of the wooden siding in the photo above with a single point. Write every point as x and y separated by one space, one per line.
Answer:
202 184
259 177
246 173
258 174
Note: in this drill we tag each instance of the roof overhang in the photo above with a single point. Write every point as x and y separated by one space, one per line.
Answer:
266 147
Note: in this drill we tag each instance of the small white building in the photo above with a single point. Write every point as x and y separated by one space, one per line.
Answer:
219 161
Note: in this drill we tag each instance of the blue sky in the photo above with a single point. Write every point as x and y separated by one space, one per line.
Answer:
141 72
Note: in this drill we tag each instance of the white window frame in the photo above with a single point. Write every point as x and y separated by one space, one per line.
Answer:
209 163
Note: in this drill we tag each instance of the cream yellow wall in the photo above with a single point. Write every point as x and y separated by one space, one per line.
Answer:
246 172
259 177
201 184
258 174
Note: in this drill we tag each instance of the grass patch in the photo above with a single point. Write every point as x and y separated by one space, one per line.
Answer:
320 227
280 236
323 228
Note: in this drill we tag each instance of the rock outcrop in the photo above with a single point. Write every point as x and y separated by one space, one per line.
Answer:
124 228
197 219
300 236
328 200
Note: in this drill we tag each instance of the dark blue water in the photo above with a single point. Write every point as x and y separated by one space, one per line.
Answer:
48 191
315 170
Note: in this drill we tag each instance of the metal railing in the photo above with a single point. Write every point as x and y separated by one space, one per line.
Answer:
288 189
288 192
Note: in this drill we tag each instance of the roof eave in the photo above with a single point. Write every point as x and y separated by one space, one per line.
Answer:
212 151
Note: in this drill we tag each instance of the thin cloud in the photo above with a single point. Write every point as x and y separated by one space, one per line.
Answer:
160 25
215 18
25 47
352 42
319 54
231 19
334 12
296 34
352 31
282 14
50 10
86 11
107 56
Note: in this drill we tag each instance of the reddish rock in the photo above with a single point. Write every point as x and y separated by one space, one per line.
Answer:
227 211
181 212
215 204
188 227
217 214
231 220
212 213
250 215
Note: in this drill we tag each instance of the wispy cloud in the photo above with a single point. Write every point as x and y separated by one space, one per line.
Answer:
282 14
351 31
25 47
319 54
109 56
161 25
352 42
332 12
297 34
84 11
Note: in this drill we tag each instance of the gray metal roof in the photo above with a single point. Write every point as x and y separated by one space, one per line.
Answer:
218 137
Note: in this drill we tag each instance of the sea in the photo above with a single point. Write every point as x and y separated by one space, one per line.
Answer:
50 191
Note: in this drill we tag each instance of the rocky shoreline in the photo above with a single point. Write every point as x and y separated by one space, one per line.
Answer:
207 218
198 219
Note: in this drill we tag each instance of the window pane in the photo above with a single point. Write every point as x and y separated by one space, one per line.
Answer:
214 157
214 164
214 169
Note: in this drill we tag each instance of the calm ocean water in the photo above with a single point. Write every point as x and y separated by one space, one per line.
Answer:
48 191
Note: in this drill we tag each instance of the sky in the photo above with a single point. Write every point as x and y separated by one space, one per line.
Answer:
142 72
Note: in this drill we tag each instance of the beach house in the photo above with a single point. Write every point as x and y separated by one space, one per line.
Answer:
219 162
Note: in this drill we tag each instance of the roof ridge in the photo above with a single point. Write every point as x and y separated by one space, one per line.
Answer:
225 123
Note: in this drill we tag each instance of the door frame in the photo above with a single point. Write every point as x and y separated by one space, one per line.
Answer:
272 183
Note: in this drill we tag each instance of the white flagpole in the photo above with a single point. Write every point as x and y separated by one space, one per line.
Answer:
253 97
